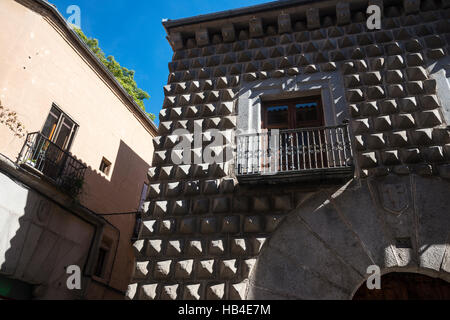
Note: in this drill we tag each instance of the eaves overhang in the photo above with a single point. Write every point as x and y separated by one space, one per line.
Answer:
258 10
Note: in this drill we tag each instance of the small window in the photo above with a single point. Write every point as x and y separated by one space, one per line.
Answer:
103 266
105 166
101 262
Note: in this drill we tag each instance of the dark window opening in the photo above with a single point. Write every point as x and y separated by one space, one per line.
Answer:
105 166
101 260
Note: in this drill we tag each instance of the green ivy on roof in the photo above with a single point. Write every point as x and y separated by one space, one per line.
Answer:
123 75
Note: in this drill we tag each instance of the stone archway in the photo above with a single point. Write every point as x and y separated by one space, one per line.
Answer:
406 286
323 248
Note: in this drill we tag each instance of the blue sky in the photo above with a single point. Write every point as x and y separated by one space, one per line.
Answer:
132 32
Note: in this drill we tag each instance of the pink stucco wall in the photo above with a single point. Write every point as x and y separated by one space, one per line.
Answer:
40 65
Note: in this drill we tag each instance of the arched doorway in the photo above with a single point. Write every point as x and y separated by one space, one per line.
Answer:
406 286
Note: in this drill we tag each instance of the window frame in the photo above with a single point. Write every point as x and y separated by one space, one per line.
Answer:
59 123
291 104
100 265
108 166
107 244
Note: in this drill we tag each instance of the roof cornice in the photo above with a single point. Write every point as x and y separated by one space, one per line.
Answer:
256 9
274 5
226 25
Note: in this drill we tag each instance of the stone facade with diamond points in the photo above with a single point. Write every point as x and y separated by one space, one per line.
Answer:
205 235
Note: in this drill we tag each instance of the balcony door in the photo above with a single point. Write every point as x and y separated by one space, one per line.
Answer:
56 138
300 144
59 129
293 114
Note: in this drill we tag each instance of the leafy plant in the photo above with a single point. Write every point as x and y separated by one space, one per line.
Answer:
72 185
123 75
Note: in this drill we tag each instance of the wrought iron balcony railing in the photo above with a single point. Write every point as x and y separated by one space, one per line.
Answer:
294 154
54 163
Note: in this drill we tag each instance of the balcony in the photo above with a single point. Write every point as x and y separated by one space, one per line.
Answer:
307 154
48 160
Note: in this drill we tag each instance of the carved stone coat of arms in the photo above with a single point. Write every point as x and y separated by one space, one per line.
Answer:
394 197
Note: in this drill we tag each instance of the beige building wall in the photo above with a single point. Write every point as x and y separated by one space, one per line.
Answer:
42 64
